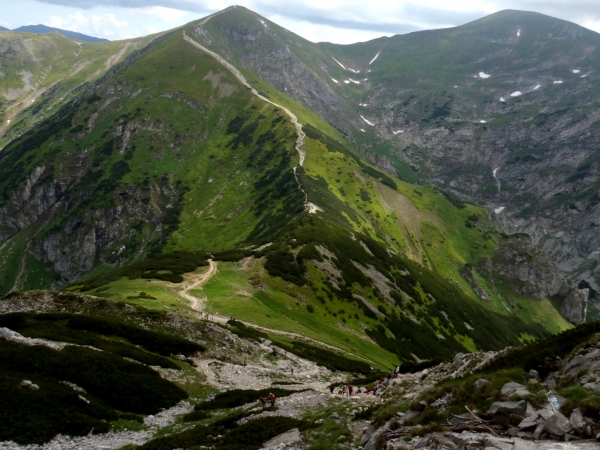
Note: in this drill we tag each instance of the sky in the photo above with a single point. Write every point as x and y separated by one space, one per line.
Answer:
338 21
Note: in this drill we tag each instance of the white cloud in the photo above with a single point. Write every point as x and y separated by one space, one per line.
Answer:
167 15
99 25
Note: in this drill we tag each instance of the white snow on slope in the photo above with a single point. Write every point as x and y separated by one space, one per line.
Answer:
583 76
368 123
576 70
484 75
499 210
346 81
362 130
502 99
482 121
352 70
373 60
342 66
396 132
537 87
519 33
334 80
494 172
362 104
263 23
354 81
455 86
8 121
558 82
516 94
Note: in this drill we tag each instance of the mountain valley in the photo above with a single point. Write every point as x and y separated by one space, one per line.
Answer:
328 209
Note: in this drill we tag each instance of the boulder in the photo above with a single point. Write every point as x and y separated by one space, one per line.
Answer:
498 443
533 374
538 431
509 388
480 384
576 421
506 408
421 443
34 387
25 383
521 444
289 437
558 425
528 422
335 416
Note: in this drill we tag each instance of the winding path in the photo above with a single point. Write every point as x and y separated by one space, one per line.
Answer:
310 207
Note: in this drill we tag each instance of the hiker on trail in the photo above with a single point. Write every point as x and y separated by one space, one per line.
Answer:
331 388
359 391
343 390
350 390
244 363
272 399
369 390
263 401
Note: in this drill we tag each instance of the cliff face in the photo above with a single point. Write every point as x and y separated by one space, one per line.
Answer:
528 270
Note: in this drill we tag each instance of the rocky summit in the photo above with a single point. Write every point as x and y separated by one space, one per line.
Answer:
226 236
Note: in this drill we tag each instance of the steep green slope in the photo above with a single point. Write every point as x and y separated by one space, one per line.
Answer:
141 143
42 72
172 156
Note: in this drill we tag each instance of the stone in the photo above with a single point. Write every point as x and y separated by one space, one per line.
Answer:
530 411
521 444
509 388
462 418
558 425
335 416
480 384
528 422
34 387
421 443
525 435
505 408
26 383
289 437
538 431
513 431
576 421
588 430
533 374
545 414
598 437
498 443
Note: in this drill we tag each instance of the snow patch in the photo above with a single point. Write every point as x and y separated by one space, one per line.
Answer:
352 70
373 60
537 87
263 23
346 81
362 130
516 94
583 76
312 208
362 104
576 70
341 65
8 121
558 82
484 75
354 81
334 80
482 121
494 172
455 86
365 79
368 123
519 33
396 132
502 99
499 210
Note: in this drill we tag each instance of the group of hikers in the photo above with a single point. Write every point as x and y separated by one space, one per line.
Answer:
349 390
270 399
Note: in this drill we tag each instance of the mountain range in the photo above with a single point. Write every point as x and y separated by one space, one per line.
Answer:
401 199
40 29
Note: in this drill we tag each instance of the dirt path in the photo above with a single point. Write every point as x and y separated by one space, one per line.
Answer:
197 283
310 207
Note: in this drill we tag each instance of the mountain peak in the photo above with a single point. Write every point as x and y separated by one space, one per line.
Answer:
40 29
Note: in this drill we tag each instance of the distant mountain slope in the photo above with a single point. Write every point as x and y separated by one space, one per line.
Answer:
4 29
39 29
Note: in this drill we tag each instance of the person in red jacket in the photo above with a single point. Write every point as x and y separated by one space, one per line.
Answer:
272 399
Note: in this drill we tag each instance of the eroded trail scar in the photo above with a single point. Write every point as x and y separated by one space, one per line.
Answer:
197 283
310 207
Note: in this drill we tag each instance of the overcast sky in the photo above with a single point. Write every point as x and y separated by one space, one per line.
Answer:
339 21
